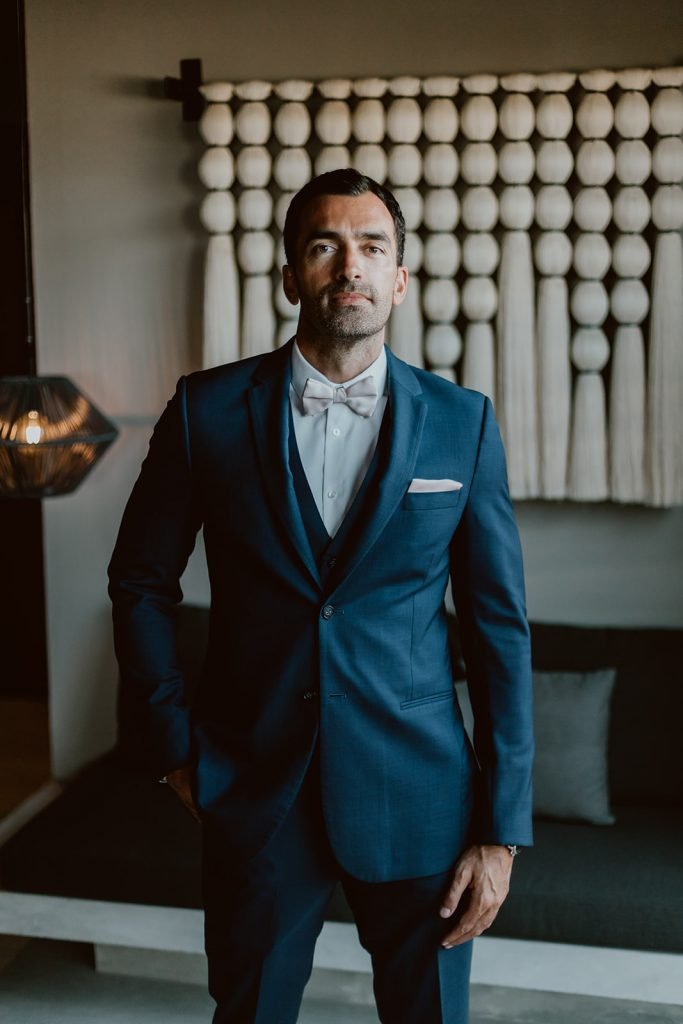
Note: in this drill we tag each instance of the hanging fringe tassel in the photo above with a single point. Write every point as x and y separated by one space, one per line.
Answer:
665 374
479 362
554 385
258 319
221 303
406 327
516 392
627 416
588 463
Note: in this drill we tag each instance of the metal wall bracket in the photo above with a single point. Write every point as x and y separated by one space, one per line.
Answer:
186 89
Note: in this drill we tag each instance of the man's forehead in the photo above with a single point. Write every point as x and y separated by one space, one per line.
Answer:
365 213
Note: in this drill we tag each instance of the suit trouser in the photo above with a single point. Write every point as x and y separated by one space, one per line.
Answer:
262 920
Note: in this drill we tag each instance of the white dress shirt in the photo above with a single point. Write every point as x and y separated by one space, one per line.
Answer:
337 445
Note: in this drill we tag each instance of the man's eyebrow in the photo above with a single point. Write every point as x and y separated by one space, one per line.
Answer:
372 236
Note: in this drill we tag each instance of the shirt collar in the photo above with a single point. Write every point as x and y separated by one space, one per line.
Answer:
302 370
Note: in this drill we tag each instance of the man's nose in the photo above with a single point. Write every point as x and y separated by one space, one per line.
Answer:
348 264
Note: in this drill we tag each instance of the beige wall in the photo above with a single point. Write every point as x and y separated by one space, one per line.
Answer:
118 257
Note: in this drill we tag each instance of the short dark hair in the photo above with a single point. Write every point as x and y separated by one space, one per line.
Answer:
343 182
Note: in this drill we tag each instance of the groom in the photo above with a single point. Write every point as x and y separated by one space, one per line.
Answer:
338 489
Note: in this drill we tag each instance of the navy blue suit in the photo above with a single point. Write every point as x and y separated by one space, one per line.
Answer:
334 651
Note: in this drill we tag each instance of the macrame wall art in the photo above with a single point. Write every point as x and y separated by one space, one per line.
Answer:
544 217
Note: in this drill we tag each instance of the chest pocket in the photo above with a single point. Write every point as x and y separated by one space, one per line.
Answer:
421 501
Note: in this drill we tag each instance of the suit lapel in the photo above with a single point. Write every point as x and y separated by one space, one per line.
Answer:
269 408
407 411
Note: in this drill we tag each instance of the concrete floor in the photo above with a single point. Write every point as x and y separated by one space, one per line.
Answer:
46 982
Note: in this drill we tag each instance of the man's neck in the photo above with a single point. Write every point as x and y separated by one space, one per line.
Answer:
338 362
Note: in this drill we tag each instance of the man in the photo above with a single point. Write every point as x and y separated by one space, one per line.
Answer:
338 488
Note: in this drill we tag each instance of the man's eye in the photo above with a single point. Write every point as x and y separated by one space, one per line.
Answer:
376 250
322 248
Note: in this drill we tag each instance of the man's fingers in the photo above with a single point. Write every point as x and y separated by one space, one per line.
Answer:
461 879
479 916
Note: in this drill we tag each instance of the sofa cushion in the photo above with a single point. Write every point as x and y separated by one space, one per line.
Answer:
571 722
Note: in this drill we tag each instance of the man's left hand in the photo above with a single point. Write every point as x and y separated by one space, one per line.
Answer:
485 872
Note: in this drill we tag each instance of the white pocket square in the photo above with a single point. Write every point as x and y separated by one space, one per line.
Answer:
430 486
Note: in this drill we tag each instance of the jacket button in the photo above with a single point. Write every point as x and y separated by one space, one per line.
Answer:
331 562
328 611
310 694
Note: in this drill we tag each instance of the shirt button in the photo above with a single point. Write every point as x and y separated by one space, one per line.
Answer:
336 431
331 494
328 611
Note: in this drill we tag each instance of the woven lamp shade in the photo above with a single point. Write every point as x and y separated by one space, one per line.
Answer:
51 436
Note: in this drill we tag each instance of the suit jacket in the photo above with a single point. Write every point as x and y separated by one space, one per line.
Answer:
357 660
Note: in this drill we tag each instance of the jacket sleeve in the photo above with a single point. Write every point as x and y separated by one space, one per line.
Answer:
488 592
156 537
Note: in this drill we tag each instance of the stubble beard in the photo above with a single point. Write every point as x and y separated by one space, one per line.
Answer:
346 326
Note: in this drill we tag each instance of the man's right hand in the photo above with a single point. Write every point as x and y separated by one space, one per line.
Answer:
179 781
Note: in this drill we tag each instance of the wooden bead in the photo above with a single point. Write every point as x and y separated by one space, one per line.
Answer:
333 123
292 125
633 162
599 80
479 298
629 302
405 85
331 158
217 92
217 212
441 209
442 255
480 253
517 207
595 162
255 251
479 119
516 163
252 124
479 163
443 345
371 160
553 207
667 112
554 116
440 300
631 256
412 206
554 162
253 166
217 168
281 207
634 78
369 121
441 85
335 88
667 160
440 165
555 81
296 89
631 209
592 256
590 350
372 88
595 116
216 125
667 208
519 81
255 209
632 115
592 209
589 303
517 116
412 258
404 120
668 77
553 254
405 165
480 209
440 120
483 84
253 90
292 168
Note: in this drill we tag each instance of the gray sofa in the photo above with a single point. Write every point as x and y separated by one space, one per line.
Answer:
115 836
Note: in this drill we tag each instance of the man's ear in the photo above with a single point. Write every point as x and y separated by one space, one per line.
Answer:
289 285
400 286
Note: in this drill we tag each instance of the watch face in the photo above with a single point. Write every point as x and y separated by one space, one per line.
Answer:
514 850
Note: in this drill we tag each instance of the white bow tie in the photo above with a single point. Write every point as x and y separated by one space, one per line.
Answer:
360 397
